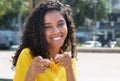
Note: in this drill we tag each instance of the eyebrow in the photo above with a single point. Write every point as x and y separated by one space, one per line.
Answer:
57 22
61 21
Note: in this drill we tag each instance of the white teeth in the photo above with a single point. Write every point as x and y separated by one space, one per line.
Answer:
56 38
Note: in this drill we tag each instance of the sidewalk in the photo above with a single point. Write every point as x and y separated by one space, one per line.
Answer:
98 67
5 62
99 50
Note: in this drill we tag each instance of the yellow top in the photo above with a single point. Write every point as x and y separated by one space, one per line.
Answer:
55 72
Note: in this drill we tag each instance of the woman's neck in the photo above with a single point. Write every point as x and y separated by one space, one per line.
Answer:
53 52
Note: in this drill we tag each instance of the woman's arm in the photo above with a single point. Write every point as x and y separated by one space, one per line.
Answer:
66 61
70 74
38 65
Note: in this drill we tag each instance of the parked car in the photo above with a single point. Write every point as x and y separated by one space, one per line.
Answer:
112 44
92 44
4 43
14 47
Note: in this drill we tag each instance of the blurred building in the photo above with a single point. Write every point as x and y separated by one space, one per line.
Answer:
8 38
110 30
115 4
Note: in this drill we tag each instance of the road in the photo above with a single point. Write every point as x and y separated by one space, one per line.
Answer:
90 66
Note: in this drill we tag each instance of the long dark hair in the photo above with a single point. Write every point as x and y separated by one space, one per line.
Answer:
34 33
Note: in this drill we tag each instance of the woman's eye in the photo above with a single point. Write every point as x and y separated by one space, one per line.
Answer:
61 24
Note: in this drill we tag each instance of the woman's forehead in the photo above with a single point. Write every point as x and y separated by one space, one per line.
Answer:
54 15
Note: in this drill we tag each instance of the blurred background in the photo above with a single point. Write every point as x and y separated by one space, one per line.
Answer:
97 31
97 22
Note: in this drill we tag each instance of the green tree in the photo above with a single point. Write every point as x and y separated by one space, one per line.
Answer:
12 11
4 5
86 8
19 9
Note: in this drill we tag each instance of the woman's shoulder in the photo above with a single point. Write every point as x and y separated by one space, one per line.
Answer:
25 52
74 60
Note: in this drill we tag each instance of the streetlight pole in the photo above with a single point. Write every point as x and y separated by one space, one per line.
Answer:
95 2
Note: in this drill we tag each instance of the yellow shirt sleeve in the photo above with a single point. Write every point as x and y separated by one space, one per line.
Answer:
22 65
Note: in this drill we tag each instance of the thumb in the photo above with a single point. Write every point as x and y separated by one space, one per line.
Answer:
38 58
58 57
67 54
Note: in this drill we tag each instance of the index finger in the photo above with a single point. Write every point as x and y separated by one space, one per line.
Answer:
45 62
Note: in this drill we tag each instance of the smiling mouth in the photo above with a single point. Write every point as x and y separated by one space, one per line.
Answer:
56 38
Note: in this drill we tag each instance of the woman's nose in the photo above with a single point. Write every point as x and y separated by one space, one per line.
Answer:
56 30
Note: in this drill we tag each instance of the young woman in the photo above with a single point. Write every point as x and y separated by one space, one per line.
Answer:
42 56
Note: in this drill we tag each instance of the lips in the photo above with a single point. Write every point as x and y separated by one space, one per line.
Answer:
56 38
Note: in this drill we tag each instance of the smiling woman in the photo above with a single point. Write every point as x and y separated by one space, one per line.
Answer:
55 30
42 56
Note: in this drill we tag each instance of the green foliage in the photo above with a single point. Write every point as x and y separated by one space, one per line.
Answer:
10 10
4 6
86 8
19 6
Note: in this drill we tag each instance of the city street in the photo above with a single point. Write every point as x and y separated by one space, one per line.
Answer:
90 66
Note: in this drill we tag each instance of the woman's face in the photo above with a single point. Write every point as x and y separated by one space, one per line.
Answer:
55 29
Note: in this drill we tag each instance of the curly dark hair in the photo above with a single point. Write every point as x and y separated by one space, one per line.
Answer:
34 33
